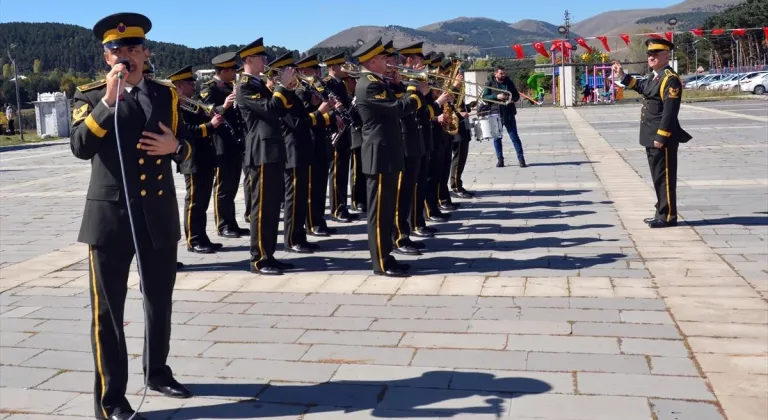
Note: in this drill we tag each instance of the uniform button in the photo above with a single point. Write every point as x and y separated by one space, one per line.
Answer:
141 161
138 146
143 193
160 192
159 177
143 177
159 161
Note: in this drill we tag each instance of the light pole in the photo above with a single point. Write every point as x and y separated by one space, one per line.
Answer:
672 22
16 81
562 30
696 59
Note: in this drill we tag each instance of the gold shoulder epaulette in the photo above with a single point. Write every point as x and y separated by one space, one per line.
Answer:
669 72
164 83
372 78
326 78
93 85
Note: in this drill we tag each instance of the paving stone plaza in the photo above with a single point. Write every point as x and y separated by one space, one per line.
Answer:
544 297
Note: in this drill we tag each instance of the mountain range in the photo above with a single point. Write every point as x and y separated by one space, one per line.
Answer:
493 37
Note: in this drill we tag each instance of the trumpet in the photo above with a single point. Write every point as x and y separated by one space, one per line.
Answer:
209 110
274 74
434 78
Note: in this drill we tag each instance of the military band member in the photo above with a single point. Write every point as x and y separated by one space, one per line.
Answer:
318 171
219 91
263 109
151 137
339 171
432 208
382 151
660 130
200 169
460 152
356 178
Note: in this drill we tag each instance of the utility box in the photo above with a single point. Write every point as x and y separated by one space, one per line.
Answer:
52 115
567 91
475 92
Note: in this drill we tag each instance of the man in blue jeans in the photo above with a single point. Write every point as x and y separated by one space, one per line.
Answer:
506 113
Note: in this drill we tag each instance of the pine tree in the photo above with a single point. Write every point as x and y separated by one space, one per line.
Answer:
37 67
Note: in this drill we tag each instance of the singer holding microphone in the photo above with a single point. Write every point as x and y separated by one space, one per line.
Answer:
131 129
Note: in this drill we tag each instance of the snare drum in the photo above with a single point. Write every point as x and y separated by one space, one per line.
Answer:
489 127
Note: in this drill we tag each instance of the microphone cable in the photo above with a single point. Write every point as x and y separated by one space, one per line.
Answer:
135 246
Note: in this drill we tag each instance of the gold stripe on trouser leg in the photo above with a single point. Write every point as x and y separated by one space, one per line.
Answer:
666 183
96 327
378 226
216 201
309 201
261 203
335 187
397 208
189 210
426 208
455 185
354 181
293 211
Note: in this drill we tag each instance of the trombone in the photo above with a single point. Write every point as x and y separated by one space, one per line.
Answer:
433 76
195 106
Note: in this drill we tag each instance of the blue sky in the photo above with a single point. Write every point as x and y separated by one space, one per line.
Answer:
295 24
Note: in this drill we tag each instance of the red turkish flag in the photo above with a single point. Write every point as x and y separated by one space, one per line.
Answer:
557 45
697 32
625 38
668 35
765 30
718 31
539 47
739 32
583 43
518 51
604 40
655 36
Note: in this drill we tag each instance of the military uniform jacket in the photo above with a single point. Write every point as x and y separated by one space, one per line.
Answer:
356 140
380 112
410 130
262 111
338 88
215 92
199 132
427 113
149 178
297 131
322 126
661 104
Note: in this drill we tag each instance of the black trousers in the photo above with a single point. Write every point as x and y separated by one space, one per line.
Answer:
416 217
382 194
458 162
296 205
443 195
357 180
406 198
435 175
247 188
199 188
227 182
338 179
663 164
108 268
318 180
267 183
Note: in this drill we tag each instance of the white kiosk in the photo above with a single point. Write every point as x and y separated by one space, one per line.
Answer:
52 115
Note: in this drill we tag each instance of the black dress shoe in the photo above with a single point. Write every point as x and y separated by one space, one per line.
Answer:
179 265
243 231
418 245
172 389
522 163
392 272
201 249
229 233
430 229
359 207
439 218
319 231
299 249
342 218
127 416
655 224
461 194
215 246
448 206
649 219
422 233
406 250
267 270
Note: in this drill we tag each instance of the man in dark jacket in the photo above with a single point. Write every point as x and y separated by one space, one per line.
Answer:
506 113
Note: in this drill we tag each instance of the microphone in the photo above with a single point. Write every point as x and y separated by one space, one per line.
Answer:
126 63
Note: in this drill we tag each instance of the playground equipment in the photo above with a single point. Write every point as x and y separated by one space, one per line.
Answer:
534 83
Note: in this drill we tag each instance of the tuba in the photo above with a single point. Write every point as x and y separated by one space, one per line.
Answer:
450 117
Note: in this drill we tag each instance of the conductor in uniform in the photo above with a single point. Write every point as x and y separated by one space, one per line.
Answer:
382 150
263 109
198 171
229 146
660 130
151 135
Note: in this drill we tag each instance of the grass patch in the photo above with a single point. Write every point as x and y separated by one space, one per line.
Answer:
700 94
14 140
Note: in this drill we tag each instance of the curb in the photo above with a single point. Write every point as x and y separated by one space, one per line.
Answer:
34 145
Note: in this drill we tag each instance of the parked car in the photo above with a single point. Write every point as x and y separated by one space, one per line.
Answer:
703 80
757 85
719 84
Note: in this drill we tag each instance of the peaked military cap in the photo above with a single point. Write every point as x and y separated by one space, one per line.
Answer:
413 49
369 50
148 69
437 59
335 59
389 48
658 44
122 29
185 73
225 60
285 60
429 58
309 61
254 48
